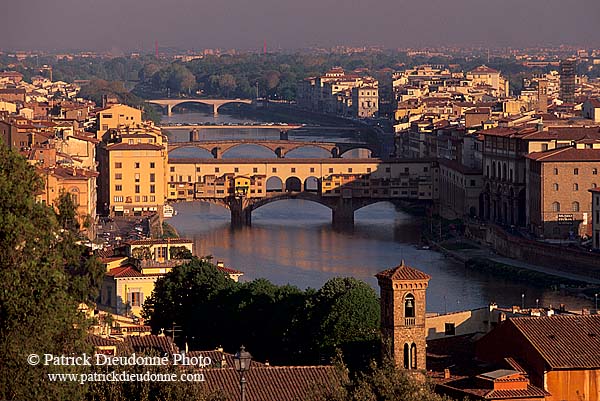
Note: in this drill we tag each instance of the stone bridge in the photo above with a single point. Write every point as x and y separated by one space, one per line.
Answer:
342 185
279 147
215 103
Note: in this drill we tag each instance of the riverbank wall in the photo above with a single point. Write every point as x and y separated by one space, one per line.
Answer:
556 257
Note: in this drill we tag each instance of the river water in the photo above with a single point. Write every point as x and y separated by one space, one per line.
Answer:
293 242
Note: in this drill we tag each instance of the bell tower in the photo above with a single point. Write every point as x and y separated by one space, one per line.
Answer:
403 291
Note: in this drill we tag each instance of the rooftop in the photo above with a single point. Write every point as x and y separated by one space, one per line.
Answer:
403 272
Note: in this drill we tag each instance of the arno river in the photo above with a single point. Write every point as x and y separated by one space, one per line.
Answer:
293 242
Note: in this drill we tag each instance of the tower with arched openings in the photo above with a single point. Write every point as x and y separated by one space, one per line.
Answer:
403 291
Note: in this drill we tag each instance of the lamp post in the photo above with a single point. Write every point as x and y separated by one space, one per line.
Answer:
522 301
242 360
596 301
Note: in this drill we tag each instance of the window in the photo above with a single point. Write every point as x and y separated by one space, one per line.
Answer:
575 206
118 187
293 169
144 198
255 169
106 115
388 169
555 186
368 169
472 183
118 176
575 187
413 356
450 329
312 169
137 189
595 171
189 178
137 164
137 177
349 169
118 165
544 147
135 298
172 169
555 207
330 170
406 356
555 171
152 165
137 199
236 170
152 177
130 141
216 169
409 306
118 199
575 171
425 169
152 189
180 178
197 169
152 198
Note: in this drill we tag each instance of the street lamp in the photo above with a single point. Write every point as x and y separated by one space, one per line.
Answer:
596 299
242 360
522 301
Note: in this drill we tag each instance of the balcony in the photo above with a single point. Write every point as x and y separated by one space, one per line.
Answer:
409 321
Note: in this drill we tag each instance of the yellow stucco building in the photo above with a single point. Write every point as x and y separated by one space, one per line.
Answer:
116 116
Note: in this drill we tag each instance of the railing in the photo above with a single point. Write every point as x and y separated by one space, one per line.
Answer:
409 321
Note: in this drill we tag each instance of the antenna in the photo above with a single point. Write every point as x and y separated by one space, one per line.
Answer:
156 48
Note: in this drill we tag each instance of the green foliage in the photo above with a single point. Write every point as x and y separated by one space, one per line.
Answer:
67 213
303 327
38 294
180 252
142 253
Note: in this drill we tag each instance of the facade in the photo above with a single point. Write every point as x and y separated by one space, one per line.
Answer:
118 116
133 172
560 354
559 203
159 249
403 306
591 110
460 190
567 80
365 101
595 217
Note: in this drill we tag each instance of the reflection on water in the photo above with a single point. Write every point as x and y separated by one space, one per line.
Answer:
293 242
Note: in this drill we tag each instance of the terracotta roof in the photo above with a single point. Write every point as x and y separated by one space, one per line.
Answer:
162 344
564 341
135 146
124 271
595 103
403 272
567 154
159 241
484 69
229 270
285 383
471 386
98 341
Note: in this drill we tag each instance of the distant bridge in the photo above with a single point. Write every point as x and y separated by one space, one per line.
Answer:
215 103
279 147
342 185
237 126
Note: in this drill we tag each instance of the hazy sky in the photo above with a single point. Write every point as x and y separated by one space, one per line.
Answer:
244 24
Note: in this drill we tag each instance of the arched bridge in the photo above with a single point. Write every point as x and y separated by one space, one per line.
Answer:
279 147
215 103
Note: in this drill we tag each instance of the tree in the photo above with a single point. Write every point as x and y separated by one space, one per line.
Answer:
38 303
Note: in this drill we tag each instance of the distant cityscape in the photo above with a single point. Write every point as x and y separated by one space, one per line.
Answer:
495 151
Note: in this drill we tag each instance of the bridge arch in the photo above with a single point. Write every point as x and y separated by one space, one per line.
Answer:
191 151
312 184
356 153
318 151
274 184
293 184
287 196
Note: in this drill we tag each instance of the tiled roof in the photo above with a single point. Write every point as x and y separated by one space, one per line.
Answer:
135 146
403 272
160 241
162 344
98 341
285 383
563 341
124 271
484 69
568 154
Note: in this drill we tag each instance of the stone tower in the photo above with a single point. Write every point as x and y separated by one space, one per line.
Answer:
403 314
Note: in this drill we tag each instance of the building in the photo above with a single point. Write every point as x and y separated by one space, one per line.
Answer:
567 80
365 101
117 116
460 190
403 306
559 203
595 217
160 250
591 110
485 76
560 354
132 167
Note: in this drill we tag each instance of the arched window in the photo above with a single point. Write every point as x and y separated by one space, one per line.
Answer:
74 192
555 186
575 171
406 357
595 171
493 169
503 171
594 185
575 187
575 206
413 356
555 171
409 306
555 207
487 171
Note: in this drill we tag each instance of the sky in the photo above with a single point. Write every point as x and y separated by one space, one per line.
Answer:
244 24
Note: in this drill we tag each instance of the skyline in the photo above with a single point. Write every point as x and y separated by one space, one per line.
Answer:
134 26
